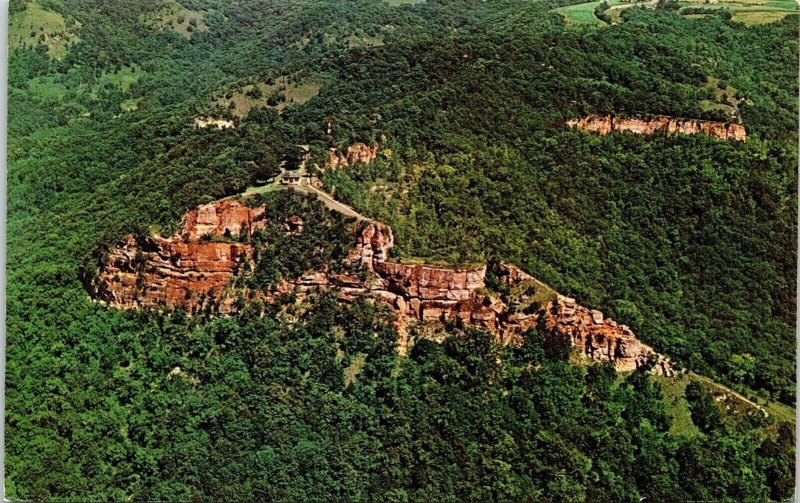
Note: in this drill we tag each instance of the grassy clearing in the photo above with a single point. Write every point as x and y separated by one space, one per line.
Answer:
678 407
283 92
761 17
723 92
674 399
185 22
725 97
351 372
750 12
36 25
616 8
709 105
364 41
178 18
783 4
122 78
781 412
47 88
263 189
582 13
532 292
50 88
676 404
130 105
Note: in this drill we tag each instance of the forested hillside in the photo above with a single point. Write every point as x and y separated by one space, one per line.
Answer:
687 239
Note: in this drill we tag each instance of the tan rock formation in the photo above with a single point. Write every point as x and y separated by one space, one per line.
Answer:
185 270
358 153
192 270
599 338
211 122
606 124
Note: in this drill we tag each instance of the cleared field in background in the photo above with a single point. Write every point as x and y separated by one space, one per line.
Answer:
35 24
179 18
396 3
749 12
123 78
744 11
294 92
582 13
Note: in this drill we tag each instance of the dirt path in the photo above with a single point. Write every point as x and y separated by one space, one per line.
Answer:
729 391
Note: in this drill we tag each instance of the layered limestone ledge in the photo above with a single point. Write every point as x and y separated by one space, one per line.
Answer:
193 271
187 270
607 124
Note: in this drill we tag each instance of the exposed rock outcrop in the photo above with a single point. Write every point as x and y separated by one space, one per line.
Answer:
435 293
606 124
601 338
358 153
227 218
211 122
189 269
194 268
294 225
374 243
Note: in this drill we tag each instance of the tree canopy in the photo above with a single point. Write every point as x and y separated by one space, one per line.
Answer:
687 239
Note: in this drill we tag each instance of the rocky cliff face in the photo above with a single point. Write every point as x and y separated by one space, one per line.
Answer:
434 293
601 338
187 270
222 219
606 124
358 153
193 270
210 122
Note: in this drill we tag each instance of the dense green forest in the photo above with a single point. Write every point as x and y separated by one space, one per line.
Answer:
689 240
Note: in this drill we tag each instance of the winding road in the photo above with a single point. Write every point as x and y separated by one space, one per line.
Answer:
304 187
330 202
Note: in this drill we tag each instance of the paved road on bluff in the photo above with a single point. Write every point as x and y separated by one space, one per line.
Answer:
326 198
305 188
330 202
